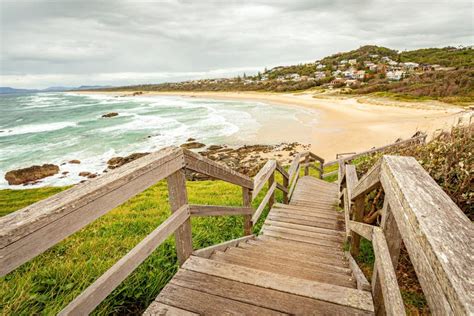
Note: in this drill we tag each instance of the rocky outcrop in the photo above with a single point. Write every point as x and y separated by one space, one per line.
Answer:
74 162
31 174
111 114
193 145
116 162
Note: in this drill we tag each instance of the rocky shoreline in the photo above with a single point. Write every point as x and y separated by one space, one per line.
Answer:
247 159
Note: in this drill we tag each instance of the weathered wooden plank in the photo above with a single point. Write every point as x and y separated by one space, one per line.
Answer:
357 214
437 234
295 180
316 290
281 170
351 177
271 182
394 241
259 296
105 284
409 141
217 210
362 283
337 240
207 252
362 229
308 216
206 304
30 231
347 211
287 259
264 202
329 232
294 166
312 209
157 308
316 222
178 196
262 177
393 301
216 170
272 232
368 182
284 268
247 202
306 165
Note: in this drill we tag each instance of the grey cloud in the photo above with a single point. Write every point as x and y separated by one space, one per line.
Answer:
75 39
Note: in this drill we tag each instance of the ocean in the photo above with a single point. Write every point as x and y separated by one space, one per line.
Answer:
59 127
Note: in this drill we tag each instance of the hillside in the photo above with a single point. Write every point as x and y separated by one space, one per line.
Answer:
444 74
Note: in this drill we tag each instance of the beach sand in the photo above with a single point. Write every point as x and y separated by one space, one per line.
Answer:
346 124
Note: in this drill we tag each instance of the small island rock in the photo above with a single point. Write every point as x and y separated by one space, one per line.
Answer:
111 114
30 174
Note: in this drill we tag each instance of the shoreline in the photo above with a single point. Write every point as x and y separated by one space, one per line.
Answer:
345 124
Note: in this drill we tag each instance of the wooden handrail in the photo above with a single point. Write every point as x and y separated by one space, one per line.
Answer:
30 231
106 283
417 140
437 235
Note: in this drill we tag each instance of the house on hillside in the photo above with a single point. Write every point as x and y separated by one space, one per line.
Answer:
343 62
410 66
320 66
396 75
360 74
319 75
352 62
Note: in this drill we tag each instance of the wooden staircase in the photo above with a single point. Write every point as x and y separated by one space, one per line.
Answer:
296 266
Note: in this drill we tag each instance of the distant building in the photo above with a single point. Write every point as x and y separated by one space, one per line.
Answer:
343 62
352 62
395 75
374 56
410 65
319 75
360 74
320 66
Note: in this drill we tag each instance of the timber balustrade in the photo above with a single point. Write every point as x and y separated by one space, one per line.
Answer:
30 231
436 233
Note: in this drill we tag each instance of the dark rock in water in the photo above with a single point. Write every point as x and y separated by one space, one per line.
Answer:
75 161
65 172
92 175
84 174
215 147
193 145
116 162
30 174
190 139
111 114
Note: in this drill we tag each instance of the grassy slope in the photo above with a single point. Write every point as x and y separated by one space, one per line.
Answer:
49 282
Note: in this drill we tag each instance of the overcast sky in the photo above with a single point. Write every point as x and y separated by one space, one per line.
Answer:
66 42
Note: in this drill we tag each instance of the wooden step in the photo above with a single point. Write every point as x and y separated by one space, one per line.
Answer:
203 303
317 209
299 238
285 269
318 258
259 296
339 225
290 246
324 231
343 296
329 213
261 254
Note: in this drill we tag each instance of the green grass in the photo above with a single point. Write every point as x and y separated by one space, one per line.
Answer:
50 281
46 284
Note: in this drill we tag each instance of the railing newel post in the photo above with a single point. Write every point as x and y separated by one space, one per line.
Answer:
177 198
247 202
307 162
271 180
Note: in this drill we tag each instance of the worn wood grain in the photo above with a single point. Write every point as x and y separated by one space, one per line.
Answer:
160 309
361 280
362 229
105 284
262 177
247 202
255 295
437 234
393 301
368 182
30 231
264 202
215 169
207 252
316 290
178 197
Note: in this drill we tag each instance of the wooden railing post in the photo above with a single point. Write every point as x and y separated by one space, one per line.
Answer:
307 162
321 169
394 241
358 214
271 180
286 184
177 198
247 202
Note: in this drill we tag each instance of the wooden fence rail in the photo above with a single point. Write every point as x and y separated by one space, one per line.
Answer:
436 233
29 232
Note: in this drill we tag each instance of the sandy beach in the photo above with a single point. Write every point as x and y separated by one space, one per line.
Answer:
347 124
